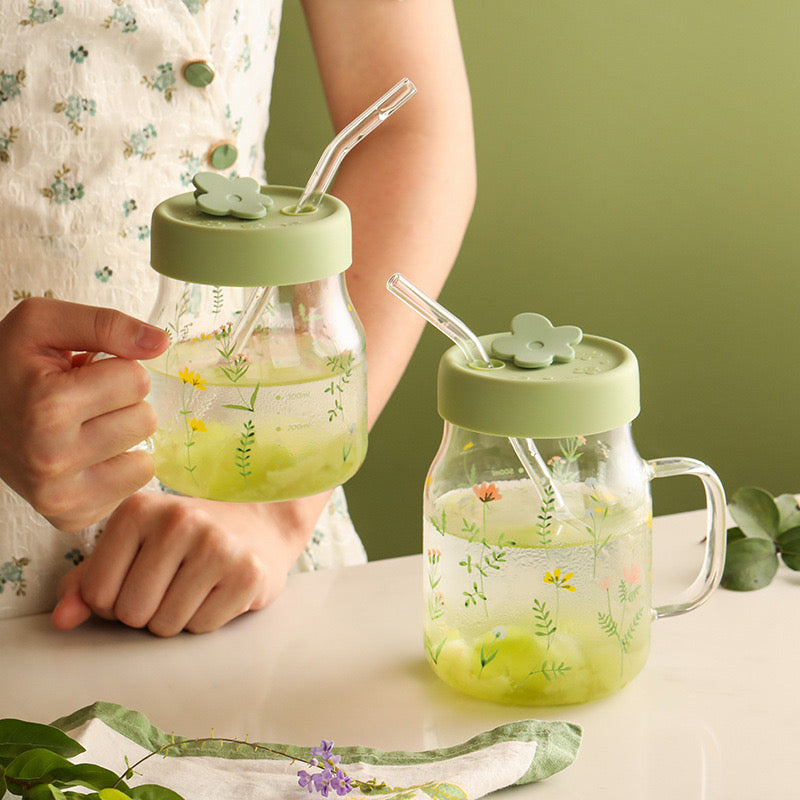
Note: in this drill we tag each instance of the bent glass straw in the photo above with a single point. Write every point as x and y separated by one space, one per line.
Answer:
318 185
347 139
475 353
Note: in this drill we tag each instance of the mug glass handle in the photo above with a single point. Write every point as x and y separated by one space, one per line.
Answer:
711 572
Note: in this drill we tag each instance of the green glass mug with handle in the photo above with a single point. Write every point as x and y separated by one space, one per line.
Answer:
538 520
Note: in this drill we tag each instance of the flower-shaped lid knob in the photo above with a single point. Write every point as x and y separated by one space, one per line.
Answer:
235 197
234 232
552 381
534 342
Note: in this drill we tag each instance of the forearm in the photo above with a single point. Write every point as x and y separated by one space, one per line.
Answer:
410 195
293 522
410 184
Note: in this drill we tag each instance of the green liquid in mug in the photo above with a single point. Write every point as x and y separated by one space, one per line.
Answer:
268 435
517 616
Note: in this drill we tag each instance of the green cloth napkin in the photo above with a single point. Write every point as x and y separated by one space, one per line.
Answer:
515 753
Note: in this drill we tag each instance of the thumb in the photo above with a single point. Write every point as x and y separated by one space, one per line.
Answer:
72 326
70 610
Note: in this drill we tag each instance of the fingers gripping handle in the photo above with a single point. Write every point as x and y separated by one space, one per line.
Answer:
714 562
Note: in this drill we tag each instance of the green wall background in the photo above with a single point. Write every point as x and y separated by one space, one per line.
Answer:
638 176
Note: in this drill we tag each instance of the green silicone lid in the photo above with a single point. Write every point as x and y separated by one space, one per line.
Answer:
278 249
596 391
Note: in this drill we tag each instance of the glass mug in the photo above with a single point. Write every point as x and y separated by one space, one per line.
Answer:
537 582
261 395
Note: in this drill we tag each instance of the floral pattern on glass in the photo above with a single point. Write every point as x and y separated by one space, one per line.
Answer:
491 556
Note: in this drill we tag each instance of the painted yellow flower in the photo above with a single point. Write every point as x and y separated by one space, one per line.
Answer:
187 376
197 425
558 580
604 502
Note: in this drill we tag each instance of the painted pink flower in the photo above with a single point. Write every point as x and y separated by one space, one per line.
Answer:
632 574
605 584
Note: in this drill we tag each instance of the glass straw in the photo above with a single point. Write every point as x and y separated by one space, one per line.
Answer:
435 313
318 185
253 309
475 353
347 139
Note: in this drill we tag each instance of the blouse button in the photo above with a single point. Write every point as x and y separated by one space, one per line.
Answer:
198 73
222 155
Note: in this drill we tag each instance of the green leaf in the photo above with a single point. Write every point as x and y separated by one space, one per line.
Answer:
17 736
34 764
789 511
150 791
755 512
734 534
45 791
43 766
2 783
112 794
789 544
372 786
93 777
444 791
750 563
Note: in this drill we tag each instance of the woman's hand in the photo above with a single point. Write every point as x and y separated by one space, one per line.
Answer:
172 563
66 425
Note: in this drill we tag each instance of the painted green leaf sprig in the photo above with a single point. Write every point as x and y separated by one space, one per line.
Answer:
768 532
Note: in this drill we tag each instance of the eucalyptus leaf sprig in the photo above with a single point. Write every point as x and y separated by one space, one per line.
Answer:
768 532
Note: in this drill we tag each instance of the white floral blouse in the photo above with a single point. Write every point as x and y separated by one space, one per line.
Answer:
108 107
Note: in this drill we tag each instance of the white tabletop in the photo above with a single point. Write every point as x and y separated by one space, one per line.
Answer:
714 714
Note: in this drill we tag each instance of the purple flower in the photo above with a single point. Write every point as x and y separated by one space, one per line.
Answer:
330 777
324 750
305 779
342 784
